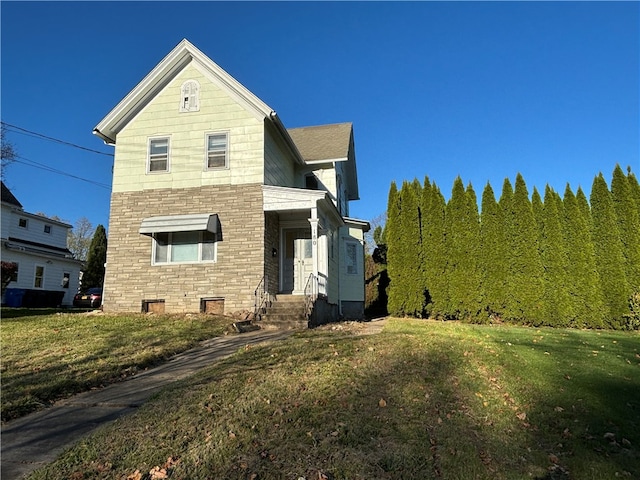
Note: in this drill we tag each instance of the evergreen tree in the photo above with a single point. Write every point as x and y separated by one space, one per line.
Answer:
433 249
493 255
462 239
94 272
609 253
628 219
411 225
634 187
505 206
583 284
392 235
554 259
526 276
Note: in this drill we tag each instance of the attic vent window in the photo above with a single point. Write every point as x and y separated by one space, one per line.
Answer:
190 96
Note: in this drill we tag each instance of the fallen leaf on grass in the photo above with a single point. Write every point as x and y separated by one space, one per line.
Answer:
522 416
382 403
135 476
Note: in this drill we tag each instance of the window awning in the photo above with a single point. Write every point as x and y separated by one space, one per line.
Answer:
182 223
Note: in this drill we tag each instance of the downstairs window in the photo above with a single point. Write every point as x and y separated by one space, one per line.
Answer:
184 247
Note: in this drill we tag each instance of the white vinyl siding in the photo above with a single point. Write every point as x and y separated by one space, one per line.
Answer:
184 247
217 151
158 155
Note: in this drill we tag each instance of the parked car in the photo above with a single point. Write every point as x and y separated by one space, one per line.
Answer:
92 298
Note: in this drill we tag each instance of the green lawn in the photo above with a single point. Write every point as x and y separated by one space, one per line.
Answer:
422 399
48 355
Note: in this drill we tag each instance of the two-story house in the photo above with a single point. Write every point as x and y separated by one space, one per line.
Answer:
214 200
47 275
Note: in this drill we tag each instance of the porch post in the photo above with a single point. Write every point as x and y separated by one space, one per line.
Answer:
314 238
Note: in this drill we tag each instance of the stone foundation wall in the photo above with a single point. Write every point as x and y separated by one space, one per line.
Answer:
131 278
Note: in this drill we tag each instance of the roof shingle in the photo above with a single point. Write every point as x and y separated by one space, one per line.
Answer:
322 142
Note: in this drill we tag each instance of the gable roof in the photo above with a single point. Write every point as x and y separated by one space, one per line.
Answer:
329 143
169 67
8 197
323 142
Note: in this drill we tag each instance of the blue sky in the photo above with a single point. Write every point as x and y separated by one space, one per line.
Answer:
483 90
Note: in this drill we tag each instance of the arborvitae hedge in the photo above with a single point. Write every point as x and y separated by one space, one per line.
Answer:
561 261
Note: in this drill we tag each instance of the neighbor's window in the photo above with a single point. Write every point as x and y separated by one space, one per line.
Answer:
352 258
65 280
14 275
38 280
158 155
47 229
217 146
184 247
23 223
190 96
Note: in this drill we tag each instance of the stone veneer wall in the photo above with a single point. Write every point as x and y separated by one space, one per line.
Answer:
130 278
271 241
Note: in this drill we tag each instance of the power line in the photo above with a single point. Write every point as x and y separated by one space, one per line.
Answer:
32 163
24 131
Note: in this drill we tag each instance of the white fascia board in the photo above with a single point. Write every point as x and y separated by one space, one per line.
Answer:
287 198
328 160
356 222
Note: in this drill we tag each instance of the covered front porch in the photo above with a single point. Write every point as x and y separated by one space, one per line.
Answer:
304 242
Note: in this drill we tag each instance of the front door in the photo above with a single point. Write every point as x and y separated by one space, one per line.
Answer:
297 261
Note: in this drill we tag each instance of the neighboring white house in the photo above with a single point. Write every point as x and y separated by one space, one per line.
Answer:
47 275
214 199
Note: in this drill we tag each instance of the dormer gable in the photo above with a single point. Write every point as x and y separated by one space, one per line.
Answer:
329 144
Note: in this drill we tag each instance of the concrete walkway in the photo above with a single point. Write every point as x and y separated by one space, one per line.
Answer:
33 441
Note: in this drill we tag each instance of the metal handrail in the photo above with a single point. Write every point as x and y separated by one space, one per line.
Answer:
261 298
310 294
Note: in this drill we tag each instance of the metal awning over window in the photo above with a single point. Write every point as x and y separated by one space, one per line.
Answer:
182 223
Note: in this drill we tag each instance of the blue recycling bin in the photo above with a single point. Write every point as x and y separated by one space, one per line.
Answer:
13 297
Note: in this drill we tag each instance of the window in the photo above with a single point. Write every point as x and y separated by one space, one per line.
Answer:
217 144
311 182
184 247
38 280
190 96
352 258
23 223
65 280
159 154
14 275
47 229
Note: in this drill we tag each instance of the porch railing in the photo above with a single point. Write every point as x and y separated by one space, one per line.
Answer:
311 291
261 298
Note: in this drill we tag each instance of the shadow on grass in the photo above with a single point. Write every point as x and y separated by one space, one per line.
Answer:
585 391
383 407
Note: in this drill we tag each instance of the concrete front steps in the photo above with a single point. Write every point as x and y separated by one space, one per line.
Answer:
286 312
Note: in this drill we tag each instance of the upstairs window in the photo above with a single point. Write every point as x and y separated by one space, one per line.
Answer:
190 96
158 155
217 151
311 182
23 223
47 229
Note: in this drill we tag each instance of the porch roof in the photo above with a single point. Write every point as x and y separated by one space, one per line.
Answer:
283 199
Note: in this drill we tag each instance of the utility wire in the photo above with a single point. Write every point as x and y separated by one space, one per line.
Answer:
32 163
24 131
